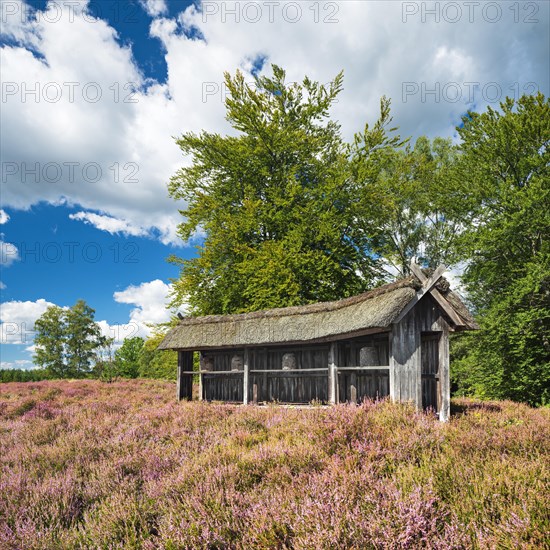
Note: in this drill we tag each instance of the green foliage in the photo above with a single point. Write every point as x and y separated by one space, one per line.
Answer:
127 357
82 338
105 367
155 363
503 185
402 193
274 202
292 214
23 375
49 341
67 340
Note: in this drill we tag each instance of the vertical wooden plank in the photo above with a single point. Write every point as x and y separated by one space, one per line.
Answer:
405 360
246 373
201 384
266 392
339 361
255 393
416 363
353 388
184 386
332 373
353 376
444 374
394 394
179 382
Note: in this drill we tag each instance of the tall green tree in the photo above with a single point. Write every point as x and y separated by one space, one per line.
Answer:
273 202
127 357
402 193
50 342
67 340
503 186
82 338
155 363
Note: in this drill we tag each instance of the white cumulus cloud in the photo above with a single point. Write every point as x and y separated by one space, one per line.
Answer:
102 133
4 217
109 224
150 299
154 7
17 364
17 320
8 254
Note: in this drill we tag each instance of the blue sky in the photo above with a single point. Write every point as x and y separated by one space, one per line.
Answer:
94 92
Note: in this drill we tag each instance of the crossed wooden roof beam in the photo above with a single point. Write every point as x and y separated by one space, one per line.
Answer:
428 286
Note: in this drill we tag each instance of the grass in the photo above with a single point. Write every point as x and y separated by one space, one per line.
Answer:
85 464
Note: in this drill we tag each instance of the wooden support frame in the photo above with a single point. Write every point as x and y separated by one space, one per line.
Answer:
333 373
353 377
184 385
201 380
444 375
405 376
246 376
358 369
437 296
427 286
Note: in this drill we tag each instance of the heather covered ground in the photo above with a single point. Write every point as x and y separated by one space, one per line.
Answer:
86 464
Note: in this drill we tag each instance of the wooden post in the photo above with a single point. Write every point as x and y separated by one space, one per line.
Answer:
353 387
444 376
179 382
184 386
246 376
394 393
333 373
255 393
405 361
353 375
201 380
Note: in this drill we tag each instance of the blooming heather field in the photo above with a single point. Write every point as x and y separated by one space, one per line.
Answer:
85 464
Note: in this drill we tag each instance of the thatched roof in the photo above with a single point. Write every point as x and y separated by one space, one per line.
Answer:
371 311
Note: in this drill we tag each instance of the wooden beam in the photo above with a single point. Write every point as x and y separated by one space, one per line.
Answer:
213 372
417 271
246 376
394 387
180 382
353 388
438 297
444 375
332 373
353 375
427 286
185 381
255 393
371 367
201 381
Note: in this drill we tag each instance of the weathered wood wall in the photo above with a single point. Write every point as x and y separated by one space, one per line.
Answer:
276 384
184 388
227 386
273 383
371 383
415 355
429 354
311 379
419 358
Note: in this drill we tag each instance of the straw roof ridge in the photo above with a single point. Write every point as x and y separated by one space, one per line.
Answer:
320 307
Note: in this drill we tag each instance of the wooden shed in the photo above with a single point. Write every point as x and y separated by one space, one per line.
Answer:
392 341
